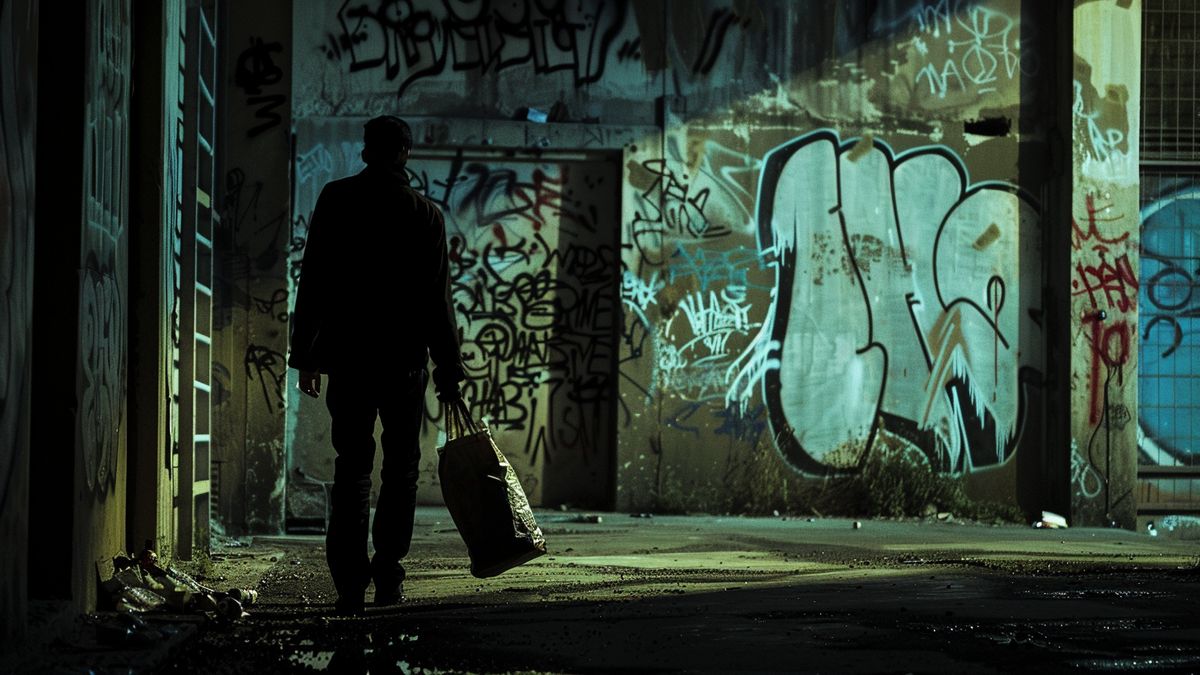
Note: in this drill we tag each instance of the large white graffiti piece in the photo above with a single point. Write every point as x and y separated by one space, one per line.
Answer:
902 306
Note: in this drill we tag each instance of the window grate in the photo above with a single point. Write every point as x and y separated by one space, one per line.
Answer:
1170 84
1169 341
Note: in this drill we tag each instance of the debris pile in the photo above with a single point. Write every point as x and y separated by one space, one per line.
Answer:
139 584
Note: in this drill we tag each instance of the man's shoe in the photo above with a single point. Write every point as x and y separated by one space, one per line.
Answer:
349 606
389 596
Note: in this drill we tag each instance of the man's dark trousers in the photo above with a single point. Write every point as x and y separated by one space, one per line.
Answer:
354 399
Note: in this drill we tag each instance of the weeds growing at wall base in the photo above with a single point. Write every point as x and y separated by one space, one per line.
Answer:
895 482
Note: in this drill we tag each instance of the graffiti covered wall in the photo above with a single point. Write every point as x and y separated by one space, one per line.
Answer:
534 278
102 359
829 245
362 57
815 278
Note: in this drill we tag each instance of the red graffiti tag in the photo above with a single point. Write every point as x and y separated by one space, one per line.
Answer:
1110 350
1078 235
1115 280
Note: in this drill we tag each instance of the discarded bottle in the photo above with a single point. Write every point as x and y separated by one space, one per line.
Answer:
229 608
246 596
148 558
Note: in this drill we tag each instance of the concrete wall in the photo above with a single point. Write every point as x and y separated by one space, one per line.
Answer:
841 264
102 357
1105 262
535 264
250 312
830 223
18 119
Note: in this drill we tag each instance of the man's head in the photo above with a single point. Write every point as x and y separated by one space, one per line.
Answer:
388 140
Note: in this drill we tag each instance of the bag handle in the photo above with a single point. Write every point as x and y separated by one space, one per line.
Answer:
459 422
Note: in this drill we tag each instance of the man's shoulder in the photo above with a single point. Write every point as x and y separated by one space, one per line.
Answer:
424 202
339 186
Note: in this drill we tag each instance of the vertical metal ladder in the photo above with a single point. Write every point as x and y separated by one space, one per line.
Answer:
193 481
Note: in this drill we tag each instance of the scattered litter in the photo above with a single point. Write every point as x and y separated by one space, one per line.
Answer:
246 596
230 609
1051 520
576 518
858 525
139 585
641 515
539 116
1150 529
126 629
138 600
945 516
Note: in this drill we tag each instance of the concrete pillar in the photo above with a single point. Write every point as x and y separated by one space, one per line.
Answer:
18 128
1104 261
250 313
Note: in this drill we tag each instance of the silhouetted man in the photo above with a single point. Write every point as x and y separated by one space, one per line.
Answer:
373 303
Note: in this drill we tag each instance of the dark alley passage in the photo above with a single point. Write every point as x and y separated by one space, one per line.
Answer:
881 318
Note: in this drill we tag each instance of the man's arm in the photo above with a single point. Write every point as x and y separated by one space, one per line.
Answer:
310 301
442 327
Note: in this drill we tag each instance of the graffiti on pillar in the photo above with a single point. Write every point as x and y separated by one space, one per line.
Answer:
409 41
269 367
1086 480
901 306
1100 140
256 242
102 369
258 76
1169 322
1106 281
103 280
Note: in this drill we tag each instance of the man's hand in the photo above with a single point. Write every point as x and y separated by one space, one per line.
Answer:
310 383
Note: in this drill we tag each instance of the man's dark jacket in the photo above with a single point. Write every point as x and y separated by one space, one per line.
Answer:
374 292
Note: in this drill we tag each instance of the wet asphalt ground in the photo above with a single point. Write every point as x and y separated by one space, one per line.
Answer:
680 594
